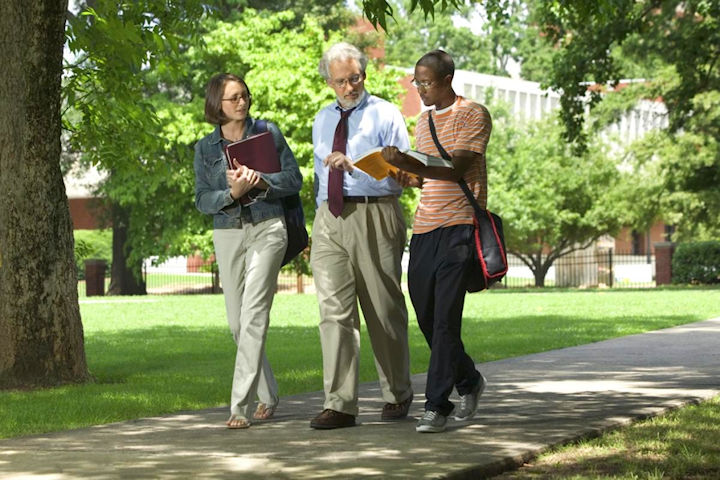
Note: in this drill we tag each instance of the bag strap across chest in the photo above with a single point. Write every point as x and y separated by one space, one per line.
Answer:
446 156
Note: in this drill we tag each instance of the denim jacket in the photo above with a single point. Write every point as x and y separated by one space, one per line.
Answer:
212 194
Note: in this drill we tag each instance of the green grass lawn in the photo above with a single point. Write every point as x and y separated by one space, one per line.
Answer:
683 444
160 354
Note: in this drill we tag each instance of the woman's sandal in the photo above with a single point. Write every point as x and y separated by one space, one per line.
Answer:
237 422
264 412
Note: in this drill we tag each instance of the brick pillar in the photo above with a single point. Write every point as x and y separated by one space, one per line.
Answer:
95 277
194 262
663 262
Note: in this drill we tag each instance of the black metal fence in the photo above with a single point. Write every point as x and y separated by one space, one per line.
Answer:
175 279
597 268
590 268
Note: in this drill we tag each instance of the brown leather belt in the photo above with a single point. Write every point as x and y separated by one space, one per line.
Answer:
383 199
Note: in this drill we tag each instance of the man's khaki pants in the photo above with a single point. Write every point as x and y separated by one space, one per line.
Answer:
356 256
249 261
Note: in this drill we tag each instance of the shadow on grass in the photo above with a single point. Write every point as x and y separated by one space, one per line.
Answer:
515 421
157 370
152 371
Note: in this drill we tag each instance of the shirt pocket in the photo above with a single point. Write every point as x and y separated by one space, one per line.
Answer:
216 166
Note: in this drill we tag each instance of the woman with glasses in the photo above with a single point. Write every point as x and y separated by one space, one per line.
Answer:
249 236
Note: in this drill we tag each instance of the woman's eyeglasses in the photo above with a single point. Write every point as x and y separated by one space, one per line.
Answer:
236 98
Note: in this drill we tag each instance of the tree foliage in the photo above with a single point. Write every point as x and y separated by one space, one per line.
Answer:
593 45
111 120
531 49
496 37
412 35
278 58
673 45
378 11
552 200
677 176
331 15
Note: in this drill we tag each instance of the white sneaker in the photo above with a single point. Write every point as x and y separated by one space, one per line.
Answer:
469 402
431 422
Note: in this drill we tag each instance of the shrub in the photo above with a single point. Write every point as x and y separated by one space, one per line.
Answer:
696 262
92 244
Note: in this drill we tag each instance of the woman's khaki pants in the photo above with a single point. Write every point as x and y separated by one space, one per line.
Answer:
249 261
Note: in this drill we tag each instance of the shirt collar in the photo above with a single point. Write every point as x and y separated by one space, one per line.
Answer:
449 107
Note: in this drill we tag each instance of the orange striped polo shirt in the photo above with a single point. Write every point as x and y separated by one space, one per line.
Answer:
465 125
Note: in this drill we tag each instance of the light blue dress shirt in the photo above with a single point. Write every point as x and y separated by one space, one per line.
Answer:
374 123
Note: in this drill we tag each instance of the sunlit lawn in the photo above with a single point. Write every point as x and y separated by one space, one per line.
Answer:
159 354
683 444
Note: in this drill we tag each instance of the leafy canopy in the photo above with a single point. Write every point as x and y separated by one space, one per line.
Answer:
552 200
143 136
673 45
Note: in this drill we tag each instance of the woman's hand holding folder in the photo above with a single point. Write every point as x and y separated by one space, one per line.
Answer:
241 180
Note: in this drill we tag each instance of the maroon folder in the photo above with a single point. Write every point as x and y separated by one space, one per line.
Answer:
257 152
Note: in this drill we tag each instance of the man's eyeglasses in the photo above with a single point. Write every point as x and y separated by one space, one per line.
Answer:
236 98
424 85
354 80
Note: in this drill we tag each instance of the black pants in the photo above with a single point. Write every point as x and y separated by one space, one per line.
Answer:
439 262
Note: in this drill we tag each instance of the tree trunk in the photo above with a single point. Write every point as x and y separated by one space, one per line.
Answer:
41 334
124 279
539 274
540 269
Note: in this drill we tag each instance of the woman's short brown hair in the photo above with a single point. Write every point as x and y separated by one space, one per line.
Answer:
213 97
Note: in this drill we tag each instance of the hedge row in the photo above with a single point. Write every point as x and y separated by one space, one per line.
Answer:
696 263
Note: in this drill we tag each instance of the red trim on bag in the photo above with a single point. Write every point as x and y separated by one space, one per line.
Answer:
500 244
478 246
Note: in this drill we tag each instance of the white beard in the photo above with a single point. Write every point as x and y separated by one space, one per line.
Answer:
352 103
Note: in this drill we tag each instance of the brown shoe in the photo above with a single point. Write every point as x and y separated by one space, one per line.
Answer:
396 411
329 419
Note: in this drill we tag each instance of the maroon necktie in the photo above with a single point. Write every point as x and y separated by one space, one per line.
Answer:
335 179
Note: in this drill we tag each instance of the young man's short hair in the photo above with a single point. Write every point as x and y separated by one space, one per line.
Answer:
439 62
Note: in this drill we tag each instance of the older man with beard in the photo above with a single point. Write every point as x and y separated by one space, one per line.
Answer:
357 244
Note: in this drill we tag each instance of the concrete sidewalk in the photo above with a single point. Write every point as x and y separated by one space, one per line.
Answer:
530 403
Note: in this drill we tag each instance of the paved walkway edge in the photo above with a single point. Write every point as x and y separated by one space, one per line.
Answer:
531 403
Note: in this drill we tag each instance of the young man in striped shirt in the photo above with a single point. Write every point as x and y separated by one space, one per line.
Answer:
440 253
